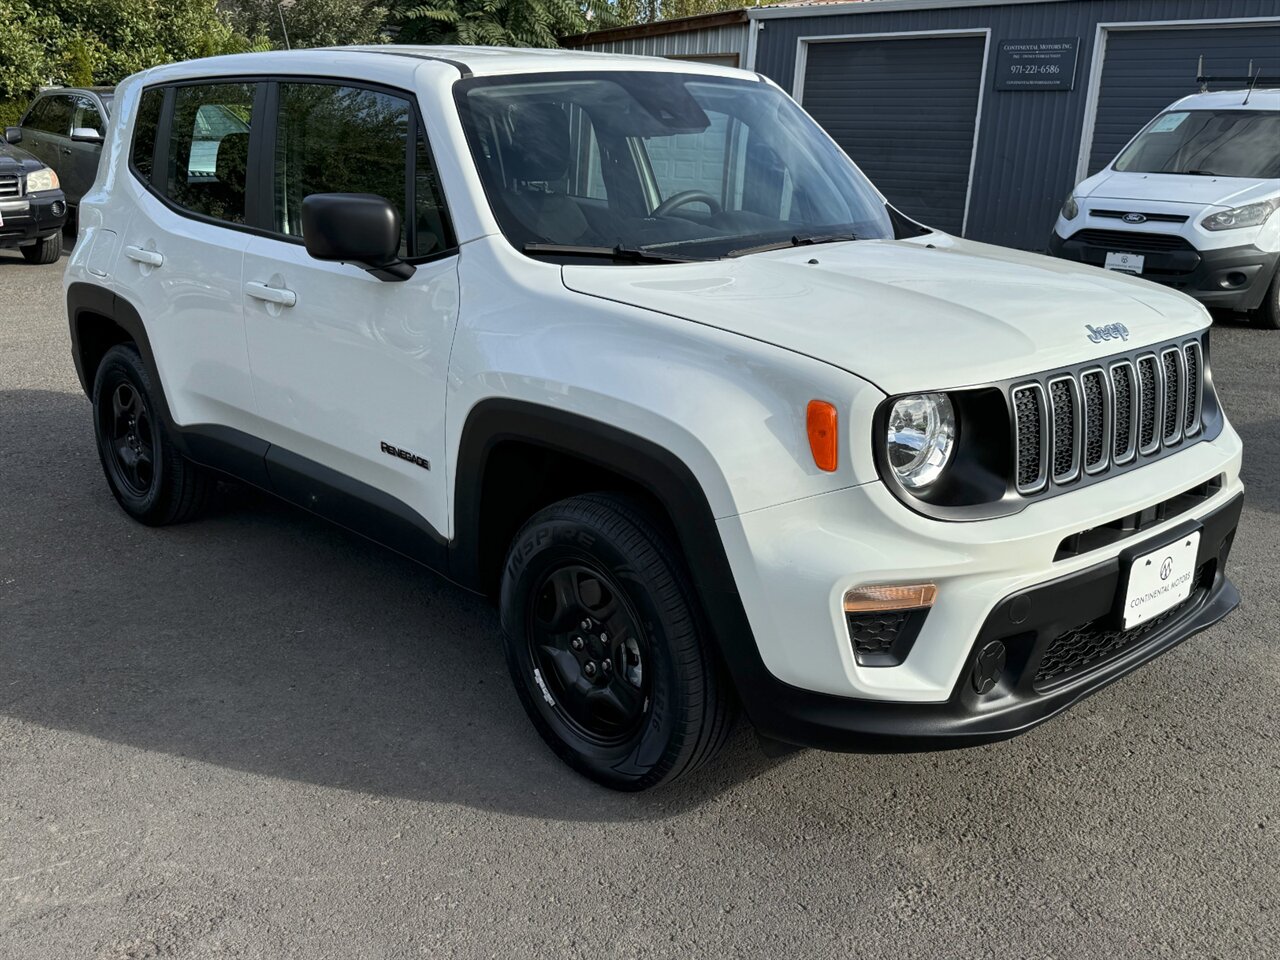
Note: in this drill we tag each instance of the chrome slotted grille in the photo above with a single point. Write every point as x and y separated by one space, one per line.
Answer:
10 187
1096 419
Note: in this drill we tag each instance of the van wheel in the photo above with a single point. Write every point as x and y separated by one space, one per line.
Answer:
1268 316
48 250
604 645
150 479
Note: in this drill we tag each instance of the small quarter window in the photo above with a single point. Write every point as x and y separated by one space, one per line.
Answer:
144 132
433 232
209 149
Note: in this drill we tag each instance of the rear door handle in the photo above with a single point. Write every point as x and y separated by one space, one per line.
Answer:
148 257
67 151
260 291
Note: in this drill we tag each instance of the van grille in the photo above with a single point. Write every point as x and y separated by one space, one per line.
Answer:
1097 418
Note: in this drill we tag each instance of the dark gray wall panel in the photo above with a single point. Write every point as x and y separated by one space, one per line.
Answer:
1028 142
1146 70
905 111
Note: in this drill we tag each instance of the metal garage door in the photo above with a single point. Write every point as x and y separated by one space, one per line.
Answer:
905 110
1146 70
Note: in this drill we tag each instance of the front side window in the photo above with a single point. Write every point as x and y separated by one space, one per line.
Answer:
1226 143
86 116
681 165
335 139
207 166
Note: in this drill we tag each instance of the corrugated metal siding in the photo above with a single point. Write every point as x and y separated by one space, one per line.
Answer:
731 39
1146 70
1028 142
904 111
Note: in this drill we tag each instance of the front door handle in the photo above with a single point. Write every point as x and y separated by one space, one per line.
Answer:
148 258
67 151
279 295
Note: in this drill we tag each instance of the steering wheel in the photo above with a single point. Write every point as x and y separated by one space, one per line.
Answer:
687 196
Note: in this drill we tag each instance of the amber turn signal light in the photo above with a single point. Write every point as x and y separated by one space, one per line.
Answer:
914 596
821 420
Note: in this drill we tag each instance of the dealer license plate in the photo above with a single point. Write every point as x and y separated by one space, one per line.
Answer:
1160 580
1125 262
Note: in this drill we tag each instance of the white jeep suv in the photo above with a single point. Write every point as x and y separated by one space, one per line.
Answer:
632 347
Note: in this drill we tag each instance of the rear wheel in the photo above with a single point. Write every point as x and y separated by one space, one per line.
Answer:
47 250
1268 316
150 479
604 645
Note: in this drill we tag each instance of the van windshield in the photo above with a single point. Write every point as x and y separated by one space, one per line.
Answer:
1227 143
659 164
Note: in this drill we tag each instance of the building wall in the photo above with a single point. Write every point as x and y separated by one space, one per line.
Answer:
1028 152
717 41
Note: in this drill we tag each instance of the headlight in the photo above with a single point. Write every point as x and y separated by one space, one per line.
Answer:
921 438
1250 215
42 179
1070 209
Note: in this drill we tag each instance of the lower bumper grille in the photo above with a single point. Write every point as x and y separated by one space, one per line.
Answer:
1092 644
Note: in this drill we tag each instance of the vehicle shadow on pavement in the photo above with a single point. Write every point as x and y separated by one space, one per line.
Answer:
263 639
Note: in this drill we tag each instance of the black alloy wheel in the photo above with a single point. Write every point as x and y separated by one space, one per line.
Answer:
606 645
584 638
147 474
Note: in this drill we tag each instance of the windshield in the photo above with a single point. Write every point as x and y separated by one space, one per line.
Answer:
1229 143
690 167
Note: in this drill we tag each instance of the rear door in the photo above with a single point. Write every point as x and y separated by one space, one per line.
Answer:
345 365
81 166
183 249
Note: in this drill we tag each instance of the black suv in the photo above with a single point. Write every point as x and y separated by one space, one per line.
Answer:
33 208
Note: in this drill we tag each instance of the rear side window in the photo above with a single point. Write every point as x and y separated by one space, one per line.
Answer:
335 139
51 115
144 132
208 162
86 116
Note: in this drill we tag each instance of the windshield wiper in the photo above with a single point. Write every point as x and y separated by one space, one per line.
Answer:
796 241
618 254
1203 173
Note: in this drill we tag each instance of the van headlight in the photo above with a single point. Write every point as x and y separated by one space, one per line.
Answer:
1070 209
42 179
1250 215
920 439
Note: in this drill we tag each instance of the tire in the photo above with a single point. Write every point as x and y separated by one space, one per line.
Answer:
1268 315
149 478
656 706
48 250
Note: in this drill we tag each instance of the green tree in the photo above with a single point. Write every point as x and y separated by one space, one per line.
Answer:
310 23
506 23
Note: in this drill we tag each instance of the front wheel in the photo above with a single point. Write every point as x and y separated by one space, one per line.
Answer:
1268 316
43 251
603 642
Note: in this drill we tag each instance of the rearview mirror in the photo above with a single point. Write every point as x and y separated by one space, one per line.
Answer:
357 228
12 134
86 135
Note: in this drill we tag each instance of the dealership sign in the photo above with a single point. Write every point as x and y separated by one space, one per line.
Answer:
1037 64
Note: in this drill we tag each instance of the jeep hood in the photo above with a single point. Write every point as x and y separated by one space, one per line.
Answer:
930 313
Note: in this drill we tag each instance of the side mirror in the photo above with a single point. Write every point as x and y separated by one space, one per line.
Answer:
86 135
12 134
357 228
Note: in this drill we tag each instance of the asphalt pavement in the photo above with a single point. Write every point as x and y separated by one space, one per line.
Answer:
260 736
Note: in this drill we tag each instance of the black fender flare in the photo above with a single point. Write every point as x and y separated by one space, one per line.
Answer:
641 461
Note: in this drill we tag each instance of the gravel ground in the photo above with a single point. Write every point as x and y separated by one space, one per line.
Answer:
260 736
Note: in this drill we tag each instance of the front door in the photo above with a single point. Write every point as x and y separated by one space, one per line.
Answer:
349 371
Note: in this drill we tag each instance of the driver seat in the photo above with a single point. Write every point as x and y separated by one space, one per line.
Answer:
539 162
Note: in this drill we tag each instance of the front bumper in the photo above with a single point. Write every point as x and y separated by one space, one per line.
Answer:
1229 278
1079 607
32 218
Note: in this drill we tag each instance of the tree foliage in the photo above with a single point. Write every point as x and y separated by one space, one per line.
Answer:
103 41
505 23
310 23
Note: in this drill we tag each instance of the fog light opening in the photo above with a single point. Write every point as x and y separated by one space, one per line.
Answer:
1233 279
57 208
988 666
